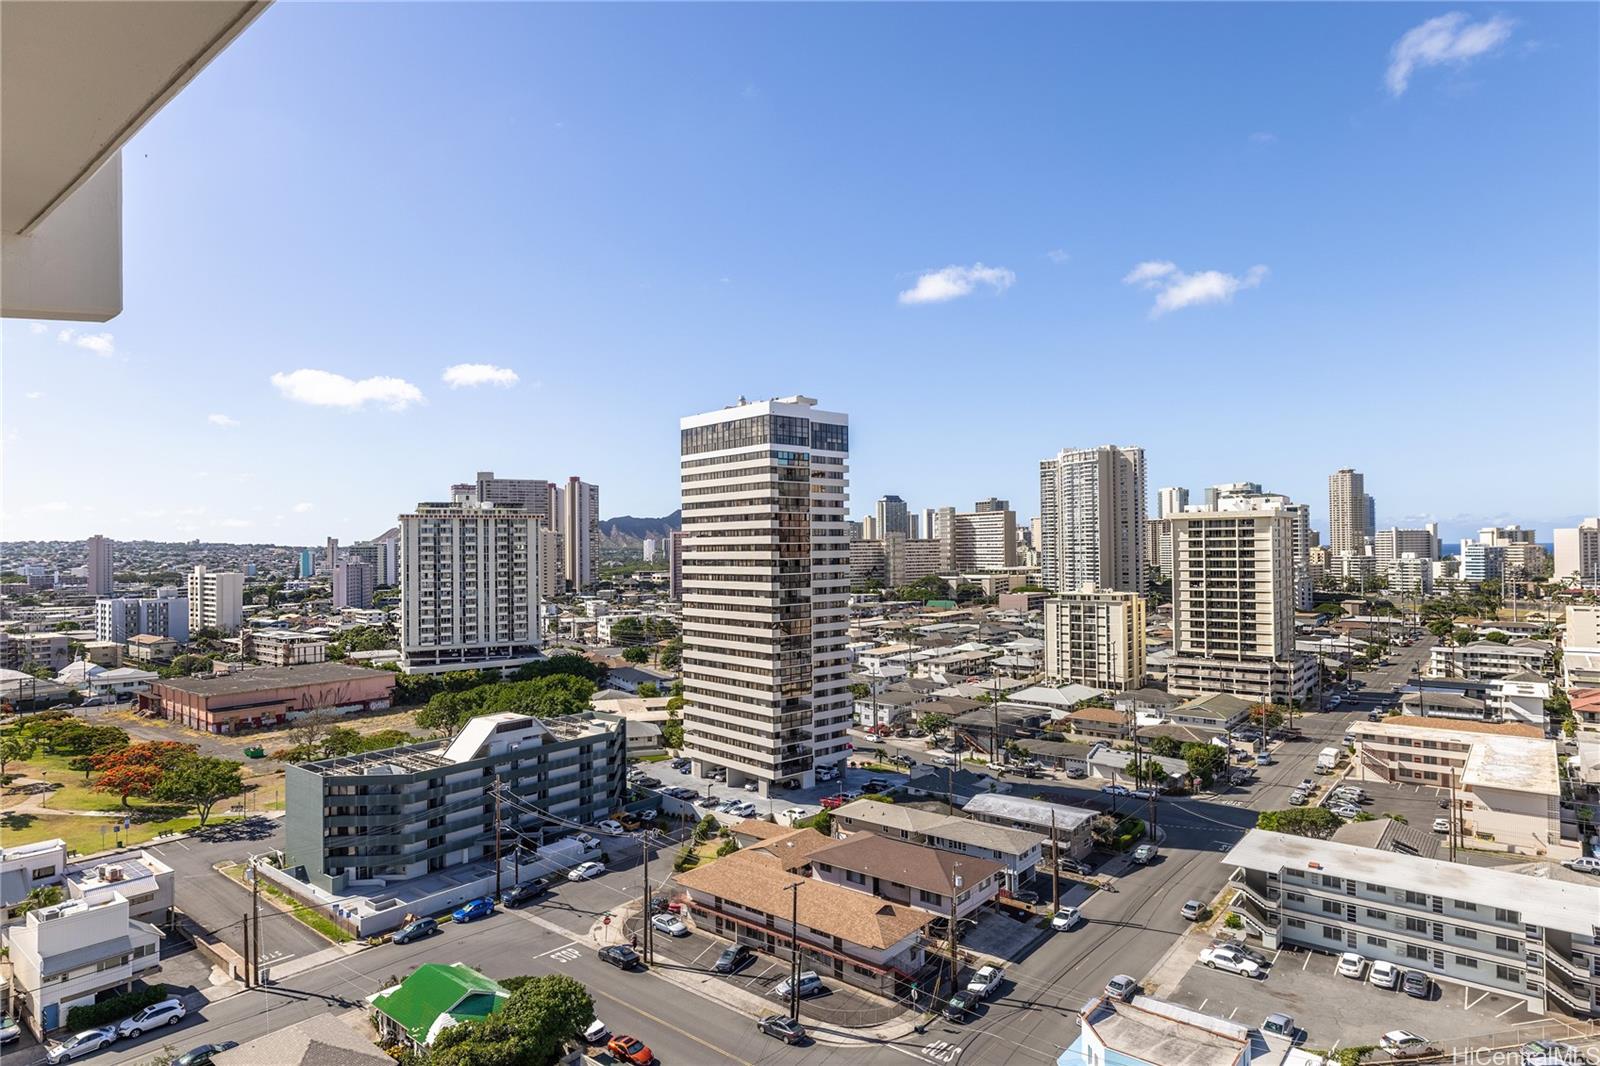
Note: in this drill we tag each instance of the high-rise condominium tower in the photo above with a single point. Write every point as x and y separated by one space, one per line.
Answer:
469 580
524 494
1170 501
1577 554
1347 511
1233 606
101 576
893 516
1092 506
1095 638
578 511
216 600
766 575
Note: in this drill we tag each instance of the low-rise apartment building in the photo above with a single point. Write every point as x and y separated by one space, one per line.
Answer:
1070 825
1218 711
151 648
1485 659
1531 938
141 878
904 873
367 820
1103 723
1017 850
282 647
65 955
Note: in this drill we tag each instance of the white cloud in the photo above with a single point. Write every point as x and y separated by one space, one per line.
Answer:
66 335
469 375
37 328
222 420
1057 256
1176 290
302 508
98 343
940 285
33 395
1450 38
321 388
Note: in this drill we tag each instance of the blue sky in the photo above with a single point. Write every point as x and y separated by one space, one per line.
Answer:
1367 235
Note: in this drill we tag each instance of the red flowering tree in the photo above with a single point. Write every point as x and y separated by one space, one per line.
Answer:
137 769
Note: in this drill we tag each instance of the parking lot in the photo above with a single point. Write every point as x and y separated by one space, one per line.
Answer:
807 799
1332 1008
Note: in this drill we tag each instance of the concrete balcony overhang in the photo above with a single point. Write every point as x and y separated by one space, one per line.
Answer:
77 81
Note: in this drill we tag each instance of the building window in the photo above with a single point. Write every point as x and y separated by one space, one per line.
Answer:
1377 915
1506 943
1468 961
1509 917
1332 906
1416 925
925 896
1466 934
1415 952
42 872
1417 899
855 878
1508 974
1330 933
1377 941
1296 923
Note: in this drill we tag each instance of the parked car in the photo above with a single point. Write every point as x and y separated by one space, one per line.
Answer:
1069 865
631 1049
810 985
831 803
1297 798
1121 987
415 931
1441 825
596 1032
734 959
611 826
9 1029
201 1056
788 815
1307 785
78 1044
1114 790
648 781
782 1027
1402 1043
1144 853
1417 984
1240 948
619 955
1027 897
1065 919
939 928
1231 962
1587 864
649 814
959 1006
1263 759
984 983
585 871
1077 773
1351 965
472 910
1345 810
1192 910
517 895
1547 1053
669 924
1384 975
1280 1025
169 1011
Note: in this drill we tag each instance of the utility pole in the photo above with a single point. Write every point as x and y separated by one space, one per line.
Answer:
247 982
1055 863
496 790
649 930
255 907
955 881
794 951
1455 818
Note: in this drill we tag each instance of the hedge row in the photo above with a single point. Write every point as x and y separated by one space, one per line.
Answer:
109 1011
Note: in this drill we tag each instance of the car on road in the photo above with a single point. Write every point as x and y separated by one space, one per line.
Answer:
1263 759
1280 1025
1114 790
1441 825
669 924
1417 985
1384 975
611 826
1586 864
79 1044
586 871
415 931
1231 962
516 895
472 910
986 981
1402 1043
1121 987
201 1056
944 760
9 1029
1351 965
169 1011
1335 701
1192 910
1065 919
782 1027
1345 810
810 985
831 803
1144 854
630 1049
734 959
960 1005
596 1032
619 955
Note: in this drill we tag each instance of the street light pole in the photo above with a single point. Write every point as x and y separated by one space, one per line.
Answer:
794 951
496 790
955 883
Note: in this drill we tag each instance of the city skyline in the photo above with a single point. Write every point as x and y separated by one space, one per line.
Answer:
1247 233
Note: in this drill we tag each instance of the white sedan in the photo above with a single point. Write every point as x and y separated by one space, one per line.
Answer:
1351 965
1065 918
1231 961
669 924
1345 810
1441 825
788 815
1384 975
586 870
609 826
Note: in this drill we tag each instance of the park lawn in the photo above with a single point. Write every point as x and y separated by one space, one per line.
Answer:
83 834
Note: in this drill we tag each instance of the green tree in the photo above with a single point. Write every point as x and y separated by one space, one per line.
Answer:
1318 823
727 847
1166 747
933 723
200 781
540 1016
565 663
1268 716
671 655
15 747
860 690
38 898
636 655
672 731
649 690
1205 761
926 588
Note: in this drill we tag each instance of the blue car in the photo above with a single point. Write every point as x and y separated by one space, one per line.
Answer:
478 908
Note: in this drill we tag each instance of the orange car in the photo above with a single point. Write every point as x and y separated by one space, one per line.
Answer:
630 1049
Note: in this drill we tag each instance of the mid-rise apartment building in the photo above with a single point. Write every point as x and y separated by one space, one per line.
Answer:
353 582
1577 553
282 647
1410 575
1480 562
364 821
216 600
67 955
124 617
1095 638
1171 501
766 574
101 575
535 495
469 591
1534 939
379 555
976 541
1233 603
1392 543
1347 511
1092 510
1482 660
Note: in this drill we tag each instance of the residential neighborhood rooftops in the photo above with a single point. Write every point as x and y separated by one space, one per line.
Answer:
997 838
896 816
1104 715
1518 764
271 677
792 849
320 1040
1386 834
905 863
1149 697
1219 706
1408 724
1026 811
1152 1030
437 996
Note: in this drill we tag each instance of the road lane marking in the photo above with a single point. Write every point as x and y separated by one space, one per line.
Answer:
1508 1010
662 1021
1303 965
942 1051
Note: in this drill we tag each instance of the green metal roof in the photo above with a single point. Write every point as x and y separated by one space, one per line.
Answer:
434 989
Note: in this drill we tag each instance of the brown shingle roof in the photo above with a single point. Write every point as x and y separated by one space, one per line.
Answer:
792 848
907 864
760 828
1465 725
1098 714
754 881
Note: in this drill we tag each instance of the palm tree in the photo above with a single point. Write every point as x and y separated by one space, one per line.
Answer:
44 896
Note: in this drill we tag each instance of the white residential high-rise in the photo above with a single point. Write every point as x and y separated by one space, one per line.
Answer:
766 575
1171 501
1092 507
647 551
216 600
1247 496
469 580
379 555
1578 553
164 616
1095 638
524 494
927 516
1411 574
1233 607
869 528
1228 488
976 541
1347 511
1390 544
102 579
353 581
578 523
